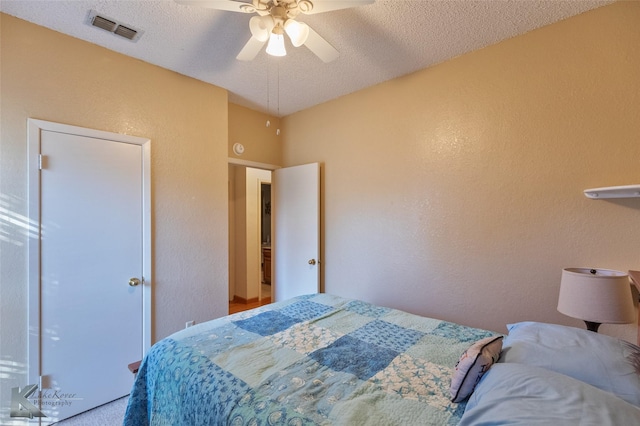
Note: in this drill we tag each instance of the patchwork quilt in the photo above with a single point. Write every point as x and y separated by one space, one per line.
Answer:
313 360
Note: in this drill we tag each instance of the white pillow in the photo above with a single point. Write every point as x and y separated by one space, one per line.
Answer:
602 361
473 363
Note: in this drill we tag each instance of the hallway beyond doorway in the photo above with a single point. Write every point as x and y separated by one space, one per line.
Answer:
235 307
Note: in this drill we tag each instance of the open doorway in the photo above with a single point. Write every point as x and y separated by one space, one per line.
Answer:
250 283
265 238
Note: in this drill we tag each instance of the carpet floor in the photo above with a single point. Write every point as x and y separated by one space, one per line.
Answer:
110 414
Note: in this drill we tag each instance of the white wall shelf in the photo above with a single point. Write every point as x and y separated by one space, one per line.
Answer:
626 191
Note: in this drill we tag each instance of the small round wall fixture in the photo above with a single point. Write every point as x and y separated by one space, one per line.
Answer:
238 148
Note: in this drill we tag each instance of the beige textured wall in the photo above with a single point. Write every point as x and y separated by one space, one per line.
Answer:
54 77
238 256
456 192
261 143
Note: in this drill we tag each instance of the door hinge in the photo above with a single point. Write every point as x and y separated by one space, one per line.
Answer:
42 161
45 382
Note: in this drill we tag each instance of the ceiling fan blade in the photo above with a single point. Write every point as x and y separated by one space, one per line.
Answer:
320 6
228 5
321 47
251 49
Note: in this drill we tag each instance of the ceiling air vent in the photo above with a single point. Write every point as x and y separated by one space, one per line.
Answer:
125 32
113 26
104 23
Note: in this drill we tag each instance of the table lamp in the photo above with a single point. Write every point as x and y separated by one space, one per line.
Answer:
596 296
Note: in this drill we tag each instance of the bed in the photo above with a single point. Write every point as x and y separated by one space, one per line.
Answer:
325 360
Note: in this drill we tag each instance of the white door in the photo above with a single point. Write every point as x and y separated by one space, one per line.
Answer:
296 230
91 247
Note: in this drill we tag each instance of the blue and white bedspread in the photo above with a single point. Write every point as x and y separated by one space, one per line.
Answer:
311 360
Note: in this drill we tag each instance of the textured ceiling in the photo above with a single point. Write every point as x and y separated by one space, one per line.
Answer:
377 42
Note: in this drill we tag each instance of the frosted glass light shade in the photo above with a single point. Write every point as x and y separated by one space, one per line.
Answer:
297 32
276 45
261 26
596 295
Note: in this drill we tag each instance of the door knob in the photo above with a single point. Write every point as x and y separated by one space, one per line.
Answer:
134 282
312 262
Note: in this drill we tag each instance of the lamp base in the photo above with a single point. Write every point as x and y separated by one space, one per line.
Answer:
592 326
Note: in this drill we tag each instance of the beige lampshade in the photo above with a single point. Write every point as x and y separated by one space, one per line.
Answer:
596 295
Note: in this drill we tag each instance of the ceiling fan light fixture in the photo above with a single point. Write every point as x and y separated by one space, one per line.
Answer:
261 27
276 45
297 32
277 17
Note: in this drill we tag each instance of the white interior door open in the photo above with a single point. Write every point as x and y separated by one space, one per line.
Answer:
296 230
93 264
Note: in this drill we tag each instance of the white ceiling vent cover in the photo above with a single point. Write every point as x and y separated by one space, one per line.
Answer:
109 24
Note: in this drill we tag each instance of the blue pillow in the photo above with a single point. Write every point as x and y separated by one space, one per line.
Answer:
599 360
519 394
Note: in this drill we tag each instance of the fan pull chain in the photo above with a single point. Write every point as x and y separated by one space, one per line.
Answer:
278 88
268 93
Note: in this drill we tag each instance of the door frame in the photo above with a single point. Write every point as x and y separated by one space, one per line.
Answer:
238 162
257 165
34 129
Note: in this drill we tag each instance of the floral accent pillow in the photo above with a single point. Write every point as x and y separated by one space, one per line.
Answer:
472 365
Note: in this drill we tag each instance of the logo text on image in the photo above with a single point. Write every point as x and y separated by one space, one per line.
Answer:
21 406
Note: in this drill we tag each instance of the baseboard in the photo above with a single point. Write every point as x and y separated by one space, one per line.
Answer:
238 299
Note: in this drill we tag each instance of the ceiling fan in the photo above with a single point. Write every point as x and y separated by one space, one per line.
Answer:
277 17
